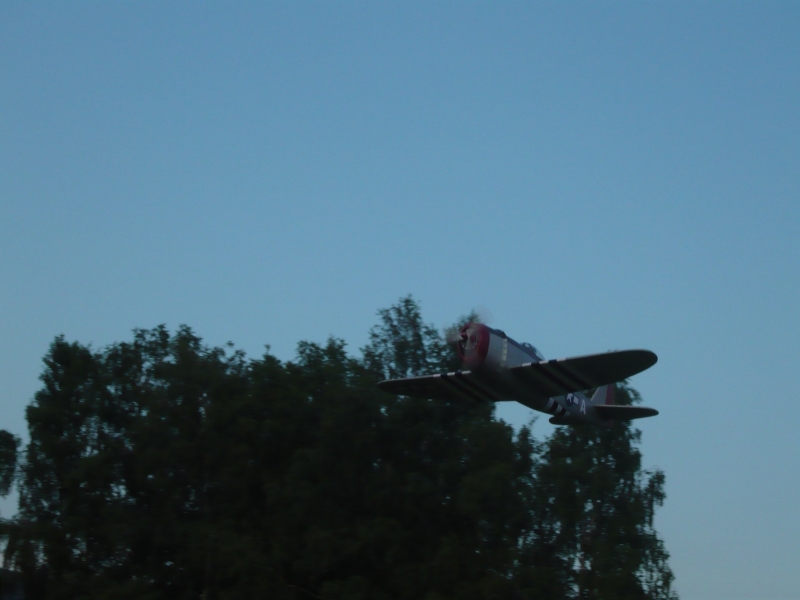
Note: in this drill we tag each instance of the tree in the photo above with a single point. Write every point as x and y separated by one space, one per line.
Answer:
593 536
9 445
402 345
164 468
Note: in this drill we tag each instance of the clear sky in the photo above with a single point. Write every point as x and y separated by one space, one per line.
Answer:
599 175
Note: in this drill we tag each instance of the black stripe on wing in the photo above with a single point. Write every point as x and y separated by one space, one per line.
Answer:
446 386
565 375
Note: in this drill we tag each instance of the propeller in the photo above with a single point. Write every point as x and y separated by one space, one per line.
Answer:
481 314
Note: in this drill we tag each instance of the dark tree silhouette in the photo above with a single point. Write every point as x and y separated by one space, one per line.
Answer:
164 468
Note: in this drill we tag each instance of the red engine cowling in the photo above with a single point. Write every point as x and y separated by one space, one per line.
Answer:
473 344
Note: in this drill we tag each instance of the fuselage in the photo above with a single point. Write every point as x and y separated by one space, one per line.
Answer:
490 353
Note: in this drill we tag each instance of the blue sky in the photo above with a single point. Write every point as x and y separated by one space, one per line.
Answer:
598 175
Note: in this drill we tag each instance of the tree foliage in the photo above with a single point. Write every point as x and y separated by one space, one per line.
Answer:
164 468
9 445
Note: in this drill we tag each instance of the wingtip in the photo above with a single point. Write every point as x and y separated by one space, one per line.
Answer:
647 357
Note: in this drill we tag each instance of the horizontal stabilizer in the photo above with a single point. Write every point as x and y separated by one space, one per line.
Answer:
562 376
618 412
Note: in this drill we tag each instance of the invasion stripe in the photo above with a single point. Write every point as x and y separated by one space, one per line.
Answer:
452 382
454 387
553 380
554 374
465 384
484 390
572 375
542 378
468 381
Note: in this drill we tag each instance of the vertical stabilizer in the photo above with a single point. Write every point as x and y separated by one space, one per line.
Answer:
603 395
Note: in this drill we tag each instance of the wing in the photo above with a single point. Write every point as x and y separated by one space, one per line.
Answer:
460 385
564 375
624 413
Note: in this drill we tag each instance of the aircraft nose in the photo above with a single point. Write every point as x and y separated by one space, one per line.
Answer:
473 344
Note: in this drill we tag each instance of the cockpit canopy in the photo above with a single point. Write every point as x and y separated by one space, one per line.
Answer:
533 351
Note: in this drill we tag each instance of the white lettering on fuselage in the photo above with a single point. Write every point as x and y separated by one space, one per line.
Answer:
573 400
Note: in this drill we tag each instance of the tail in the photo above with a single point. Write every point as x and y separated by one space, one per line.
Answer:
605 408
603 395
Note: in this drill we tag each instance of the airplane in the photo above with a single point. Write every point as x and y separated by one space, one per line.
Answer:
501 369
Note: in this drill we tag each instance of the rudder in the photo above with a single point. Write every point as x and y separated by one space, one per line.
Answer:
603 395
